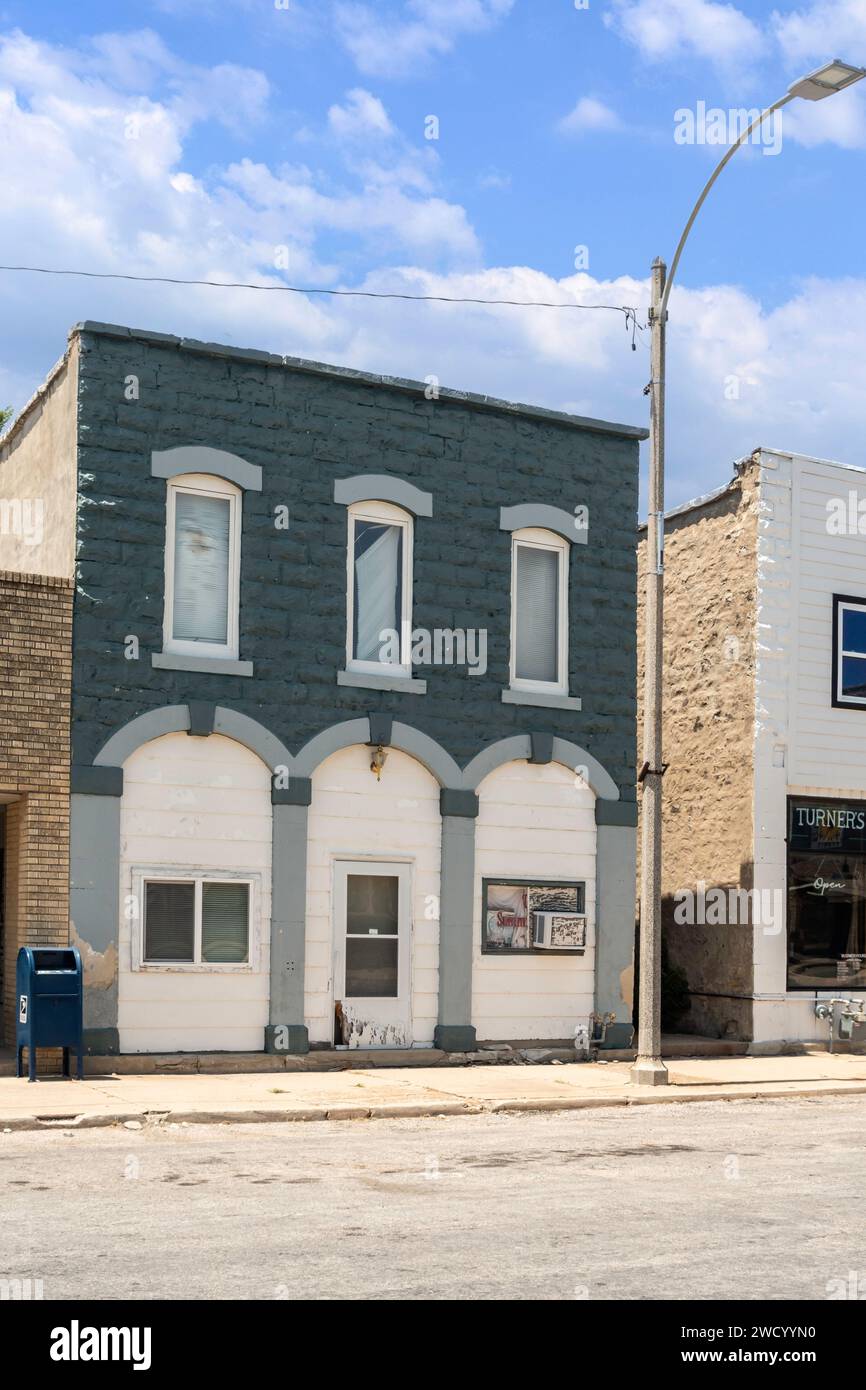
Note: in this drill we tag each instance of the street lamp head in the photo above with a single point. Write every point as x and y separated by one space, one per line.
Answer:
832 77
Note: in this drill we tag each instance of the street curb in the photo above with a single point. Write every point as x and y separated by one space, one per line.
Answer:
394 1110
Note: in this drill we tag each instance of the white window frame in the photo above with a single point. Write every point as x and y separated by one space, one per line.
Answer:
141 876
381 514
534 537
204 485
843 606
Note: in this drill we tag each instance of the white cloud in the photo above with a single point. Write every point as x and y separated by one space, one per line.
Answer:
87 196
662 29
363 115
840 120
828 29
495 181
589 115
394 43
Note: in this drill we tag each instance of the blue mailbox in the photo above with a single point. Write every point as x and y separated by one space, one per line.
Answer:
50 1003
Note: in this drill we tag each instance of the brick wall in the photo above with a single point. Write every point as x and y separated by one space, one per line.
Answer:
35 683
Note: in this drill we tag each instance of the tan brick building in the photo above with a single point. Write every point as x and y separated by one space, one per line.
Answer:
35 678
36 591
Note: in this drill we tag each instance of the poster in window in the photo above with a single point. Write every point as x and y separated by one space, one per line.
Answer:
508 909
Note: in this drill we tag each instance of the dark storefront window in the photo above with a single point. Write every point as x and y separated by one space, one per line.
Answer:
826 894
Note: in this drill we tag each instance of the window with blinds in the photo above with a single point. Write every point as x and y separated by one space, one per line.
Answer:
378 560
539 611
379 588
196 921
202 567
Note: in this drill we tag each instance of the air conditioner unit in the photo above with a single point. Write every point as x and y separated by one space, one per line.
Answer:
558 931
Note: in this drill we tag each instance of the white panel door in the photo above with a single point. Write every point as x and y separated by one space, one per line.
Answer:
372 951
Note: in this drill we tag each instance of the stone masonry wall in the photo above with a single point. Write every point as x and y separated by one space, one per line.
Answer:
709 633
306 429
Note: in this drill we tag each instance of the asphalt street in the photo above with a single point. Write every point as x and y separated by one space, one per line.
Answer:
741 1201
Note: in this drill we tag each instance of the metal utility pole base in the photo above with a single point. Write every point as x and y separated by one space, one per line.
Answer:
649 1071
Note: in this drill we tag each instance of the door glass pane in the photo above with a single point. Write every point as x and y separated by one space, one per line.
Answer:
169 921
372 904
378 561
225 915
536 619
201 568
371 967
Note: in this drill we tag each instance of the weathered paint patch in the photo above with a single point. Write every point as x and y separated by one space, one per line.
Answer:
360 1032
98 967
626 985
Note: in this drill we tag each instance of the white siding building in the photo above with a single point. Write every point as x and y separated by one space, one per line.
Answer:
765 730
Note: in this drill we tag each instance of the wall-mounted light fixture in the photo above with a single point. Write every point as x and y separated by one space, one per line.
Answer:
378 761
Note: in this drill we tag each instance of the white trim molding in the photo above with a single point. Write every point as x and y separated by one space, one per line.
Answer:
203 485
180 873
381 514
532 538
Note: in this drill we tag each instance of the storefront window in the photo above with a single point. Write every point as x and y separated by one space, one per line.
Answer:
826 895
510 918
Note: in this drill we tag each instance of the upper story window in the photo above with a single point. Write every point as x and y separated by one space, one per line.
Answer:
379 628
202 566
849 652
539 612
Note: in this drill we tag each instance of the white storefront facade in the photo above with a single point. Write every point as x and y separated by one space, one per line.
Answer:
809 782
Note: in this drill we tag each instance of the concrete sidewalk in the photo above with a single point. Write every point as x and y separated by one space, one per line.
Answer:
390 1093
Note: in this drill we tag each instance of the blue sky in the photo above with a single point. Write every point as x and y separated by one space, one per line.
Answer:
243 139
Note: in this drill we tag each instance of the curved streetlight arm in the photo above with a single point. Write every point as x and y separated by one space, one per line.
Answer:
729 154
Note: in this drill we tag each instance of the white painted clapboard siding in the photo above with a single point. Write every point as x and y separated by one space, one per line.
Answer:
195 803
533 823
829 745
353 815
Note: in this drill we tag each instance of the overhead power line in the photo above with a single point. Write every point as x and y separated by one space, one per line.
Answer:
628 310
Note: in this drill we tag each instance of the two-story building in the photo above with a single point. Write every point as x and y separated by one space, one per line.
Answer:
353 703
764 868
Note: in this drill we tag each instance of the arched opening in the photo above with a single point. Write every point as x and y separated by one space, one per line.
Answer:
195 896
535 851
372 919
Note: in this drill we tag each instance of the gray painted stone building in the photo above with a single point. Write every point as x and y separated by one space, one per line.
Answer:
353 702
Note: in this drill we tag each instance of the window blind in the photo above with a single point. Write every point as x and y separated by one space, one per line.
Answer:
201 568
225 915
378 586
537 615
169 921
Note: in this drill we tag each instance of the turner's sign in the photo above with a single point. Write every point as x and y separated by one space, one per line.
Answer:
829 817
820 826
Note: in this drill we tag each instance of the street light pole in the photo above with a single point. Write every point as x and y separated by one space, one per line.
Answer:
649 1069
